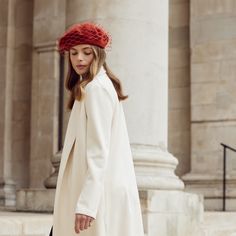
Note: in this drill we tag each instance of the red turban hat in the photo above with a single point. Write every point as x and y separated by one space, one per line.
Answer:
84 33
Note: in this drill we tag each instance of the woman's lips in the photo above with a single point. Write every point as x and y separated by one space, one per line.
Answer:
80 66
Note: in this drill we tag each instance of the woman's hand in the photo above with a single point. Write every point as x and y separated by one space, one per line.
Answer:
82 222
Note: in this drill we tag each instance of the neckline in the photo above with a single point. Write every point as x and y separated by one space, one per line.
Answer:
101 72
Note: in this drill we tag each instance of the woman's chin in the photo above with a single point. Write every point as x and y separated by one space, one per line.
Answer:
81 72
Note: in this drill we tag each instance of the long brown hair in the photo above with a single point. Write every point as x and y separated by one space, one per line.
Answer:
76 86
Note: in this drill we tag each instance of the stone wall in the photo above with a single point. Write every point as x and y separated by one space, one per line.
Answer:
213 97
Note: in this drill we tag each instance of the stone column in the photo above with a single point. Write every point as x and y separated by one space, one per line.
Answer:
144 74
139 57
179 84
213 101
48 24
7 185
15 85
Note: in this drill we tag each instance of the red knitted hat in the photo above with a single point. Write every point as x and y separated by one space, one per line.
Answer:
84 33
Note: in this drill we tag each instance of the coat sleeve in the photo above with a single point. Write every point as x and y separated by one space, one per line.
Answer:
99 111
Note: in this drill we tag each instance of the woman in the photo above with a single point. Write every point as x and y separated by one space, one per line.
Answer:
96 192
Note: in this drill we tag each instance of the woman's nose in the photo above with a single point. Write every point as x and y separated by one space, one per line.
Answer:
80 57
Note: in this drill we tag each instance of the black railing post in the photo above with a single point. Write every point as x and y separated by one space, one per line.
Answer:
224 173
224 178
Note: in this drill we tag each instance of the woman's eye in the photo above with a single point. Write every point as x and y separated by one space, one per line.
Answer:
74 53
87 53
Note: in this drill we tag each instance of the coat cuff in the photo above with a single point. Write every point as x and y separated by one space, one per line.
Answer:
81 210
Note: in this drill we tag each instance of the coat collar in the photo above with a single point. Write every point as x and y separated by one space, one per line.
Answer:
101 72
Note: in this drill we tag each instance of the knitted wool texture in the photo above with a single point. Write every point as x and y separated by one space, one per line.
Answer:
84 33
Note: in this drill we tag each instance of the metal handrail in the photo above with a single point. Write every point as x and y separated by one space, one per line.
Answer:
224 171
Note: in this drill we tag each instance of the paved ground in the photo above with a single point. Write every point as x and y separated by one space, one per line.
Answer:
24 224
39 224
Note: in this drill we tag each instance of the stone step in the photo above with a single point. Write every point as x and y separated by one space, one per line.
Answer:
219 224
24 224
39 224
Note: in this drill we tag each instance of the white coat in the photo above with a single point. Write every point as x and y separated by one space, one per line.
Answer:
96 175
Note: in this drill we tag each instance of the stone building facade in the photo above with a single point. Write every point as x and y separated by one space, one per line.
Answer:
181 54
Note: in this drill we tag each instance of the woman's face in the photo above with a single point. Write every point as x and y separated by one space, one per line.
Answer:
81 57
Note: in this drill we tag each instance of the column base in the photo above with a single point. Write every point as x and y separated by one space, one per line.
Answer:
211 187
7 193
171 213
51 181
155 168
35 200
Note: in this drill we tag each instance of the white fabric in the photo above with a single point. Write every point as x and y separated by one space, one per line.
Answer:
96 175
